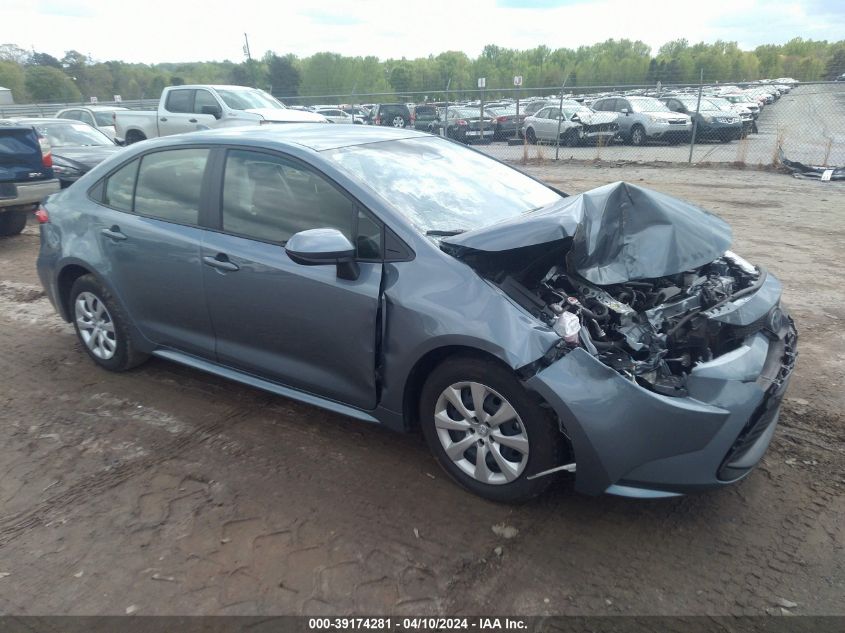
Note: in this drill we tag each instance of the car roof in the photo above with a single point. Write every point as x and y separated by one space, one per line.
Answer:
315 136
37 120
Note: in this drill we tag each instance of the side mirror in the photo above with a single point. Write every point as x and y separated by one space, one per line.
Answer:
213 110
575 118
624 111
318 247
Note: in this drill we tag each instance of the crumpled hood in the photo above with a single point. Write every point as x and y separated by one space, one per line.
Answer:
288 115
620 232
596 118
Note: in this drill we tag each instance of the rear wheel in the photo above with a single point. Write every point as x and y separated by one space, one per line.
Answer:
101 326
12 222
398 121
487 431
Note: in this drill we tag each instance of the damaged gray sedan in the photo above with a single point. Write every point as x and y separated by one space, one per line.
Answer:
404 279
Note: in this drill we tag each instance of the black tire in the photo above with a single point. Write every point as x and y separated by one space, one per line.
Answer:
126 355
570 138
134 136
547 447
530 136
12 222
637 136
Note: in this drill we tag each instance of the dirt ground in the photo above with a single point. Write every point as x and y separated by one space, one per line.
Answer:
168 491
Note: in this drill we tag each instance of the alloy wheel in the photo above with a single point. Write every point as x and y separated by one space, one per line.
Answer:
481 433
95 325
398 121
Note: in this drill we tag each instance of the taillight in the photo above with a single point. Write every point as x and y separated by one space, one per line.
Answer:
41 215
501 119
377 120
461 122
413 118
46 153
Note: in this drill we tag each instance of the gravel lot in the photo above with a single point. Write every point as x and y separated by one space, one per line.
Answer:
809 122
167 491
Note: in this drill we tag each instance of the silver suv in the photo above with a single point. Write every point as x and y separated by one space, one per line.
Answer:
645 118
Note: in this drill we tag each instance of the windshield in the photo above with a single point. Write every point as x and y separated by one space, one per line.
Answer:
706 104
718 104
248 99
72 134
647 104
441 186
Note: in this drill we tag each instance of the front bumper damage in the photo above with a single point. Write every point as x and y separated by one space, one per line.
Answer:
631 441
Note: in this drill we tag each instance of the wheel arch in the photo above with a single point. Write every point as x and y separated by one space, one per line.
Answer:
64 282
424 366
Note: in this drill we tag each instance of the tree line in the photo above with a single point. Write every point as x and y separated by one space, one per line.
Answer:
39 77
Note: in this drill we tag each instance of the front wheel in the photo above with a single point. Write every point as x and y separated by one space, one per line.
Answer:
101 326
570 138
530 136
637 135
487 432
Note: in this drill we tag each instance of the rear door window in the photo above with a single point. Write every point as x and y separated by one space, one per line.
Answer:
169 185
120 187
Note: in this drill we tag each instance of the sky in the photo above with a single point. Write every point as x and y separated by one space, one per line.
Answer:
153 31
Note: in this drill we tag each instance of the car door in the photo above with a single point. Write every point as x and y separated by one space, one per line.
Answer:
297 325
149 234
203 102
177 113
544 124
625 121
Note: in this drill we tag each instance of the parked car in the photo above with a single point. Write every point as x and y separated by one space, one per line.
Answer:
100 117
362 115
425 116
465 124
574 124
749 123
191 108
712 122
508 123
26 175
399 278
76 147
642 119
336 115
392 115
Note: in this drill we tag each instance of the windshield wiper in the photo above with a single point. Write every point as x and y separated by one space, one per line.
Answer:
439 233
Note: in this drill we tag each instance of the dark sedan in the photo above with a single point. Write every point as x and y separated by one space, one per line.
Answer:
402 279
77 147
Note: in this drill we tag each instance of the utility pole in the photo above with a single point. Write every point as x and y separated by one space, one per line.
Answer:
249 60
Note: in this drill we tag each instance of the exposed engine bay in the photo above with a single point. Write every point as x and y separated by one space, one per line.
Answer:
653 331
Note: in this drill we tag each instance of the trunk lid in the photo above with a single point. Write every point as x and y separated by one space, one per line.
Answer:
20 156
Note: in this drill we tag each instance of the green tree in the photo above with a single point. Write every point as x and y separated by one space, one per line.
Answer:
44 83
283 75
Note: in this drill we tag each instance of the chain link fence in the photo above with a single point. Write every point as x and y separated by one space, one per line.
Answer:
742 124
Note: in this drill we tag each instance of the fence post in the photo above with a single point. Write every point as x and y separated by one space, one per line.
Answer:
559 115
695 120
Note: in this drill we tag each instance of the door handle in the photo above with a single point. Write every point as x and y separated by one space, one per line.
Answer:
164 118
192 120
221 262
114 233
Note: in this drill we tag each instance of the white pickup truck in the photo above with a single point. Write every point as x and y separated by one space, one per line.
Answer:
191 108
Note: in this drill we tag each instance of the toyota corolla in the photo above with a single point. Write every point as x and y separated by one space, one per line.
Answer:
406 280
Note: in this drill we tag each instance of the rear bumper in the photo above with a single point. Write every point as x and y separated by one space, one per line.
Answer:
631 441
30 193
